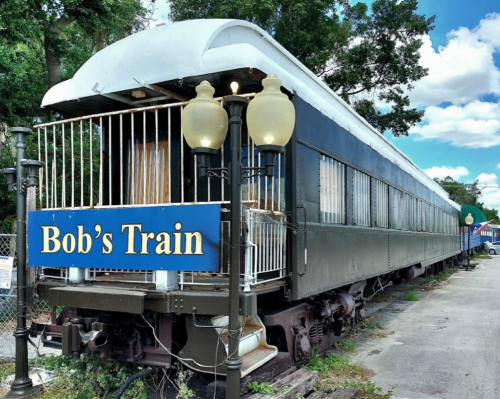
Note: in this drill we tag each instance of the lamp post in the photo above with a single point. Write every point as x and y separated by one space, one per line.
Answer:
17 182
270 121
468 221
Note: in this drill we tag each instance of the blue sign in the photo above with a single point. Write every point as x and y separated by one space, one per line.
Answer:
184 237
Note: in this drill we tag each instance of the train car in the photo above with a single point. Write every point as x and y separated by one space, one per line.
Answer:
346 213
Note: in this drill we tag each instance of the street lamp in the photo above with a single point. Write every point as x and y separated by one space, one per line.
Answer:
270 121
468 221
17 182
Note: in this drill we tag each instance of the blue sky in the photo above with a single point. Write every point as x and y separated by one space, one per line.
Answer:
460 133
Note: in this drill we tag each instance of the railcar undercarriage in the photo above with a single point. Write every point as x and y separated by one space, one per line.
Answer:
155 338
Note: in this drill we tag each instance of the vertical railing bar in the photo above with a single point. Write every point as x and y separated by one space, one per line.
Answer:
182 160
272 194
40 171
157 165
134 171
100 161
91 140
110 180
196 178
54 162
169 158
265 193
81 163
208 184
63 194
222 163
279 183
253 166
248 183
121 159
72 167
46 170
261 246
144 158
258 183
268 249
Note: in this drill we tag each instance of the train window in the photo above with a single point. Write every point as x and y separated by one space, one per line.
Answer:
382 204
361 198
400 210
332 191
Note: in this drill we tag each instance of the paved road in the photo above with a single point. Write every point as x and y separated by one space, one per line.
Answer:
447 345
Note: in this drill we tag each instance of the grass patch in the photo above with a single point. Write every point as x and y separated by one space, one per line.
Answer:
264 388
337 371
396 310
411 296
377 335
372 325
481 255
346 345
90 378
368 390
7 367
334 366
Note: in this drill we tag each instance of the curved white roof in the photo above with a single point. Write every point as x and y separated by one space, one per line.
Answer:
199 47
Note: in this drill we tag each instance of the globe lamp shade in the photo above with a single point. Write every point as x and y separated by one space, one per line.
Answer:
271 115
204 121
469 219
270 121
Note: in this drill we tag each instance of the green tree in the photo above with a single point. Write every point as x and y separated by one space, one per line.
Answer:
467 194
359 53
42 43
461 193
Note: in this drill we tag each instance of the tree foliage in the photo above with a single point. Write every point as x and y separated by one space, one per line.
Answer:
43 42
361 54
467 194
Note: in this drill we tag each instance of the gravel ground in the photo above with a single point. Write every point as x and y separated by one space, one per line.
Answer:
444 346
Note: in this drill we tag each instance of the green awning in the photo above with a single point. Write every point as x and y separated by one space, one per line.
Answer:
475 213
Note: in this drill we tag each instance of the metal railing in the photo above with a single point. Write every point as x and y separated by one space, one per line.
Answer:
132 157
137 157
265 249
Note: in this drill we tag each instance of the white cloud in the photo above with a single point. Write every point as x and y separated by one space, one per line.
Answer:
445 171
475 125
490 190
464 69
498 166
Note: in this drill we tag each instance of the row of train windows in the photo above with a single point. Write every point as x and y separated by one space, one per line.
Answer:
405 213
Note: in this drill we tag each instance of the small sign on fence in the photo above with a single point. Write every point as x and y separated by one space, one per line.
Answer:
6 265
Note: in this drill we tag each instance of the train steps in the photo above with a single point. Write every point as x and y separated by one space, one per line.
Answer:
253 349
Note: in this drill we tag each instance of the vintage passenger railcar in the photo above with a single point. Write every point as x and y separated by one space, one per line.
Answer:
344 209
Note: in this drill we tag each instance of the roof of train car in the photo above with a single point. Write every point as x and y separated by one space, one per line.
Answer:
200 47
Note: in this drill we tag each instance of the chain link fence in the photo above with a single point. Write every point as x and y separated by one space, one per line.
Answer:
39 311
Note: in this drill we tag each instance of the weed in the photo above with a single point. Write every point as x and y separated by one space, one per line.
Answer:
372 325
335 365
90 378
346 345
6 368
480 255
181 382
264 388
410 296
396 310
377 335
368 390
